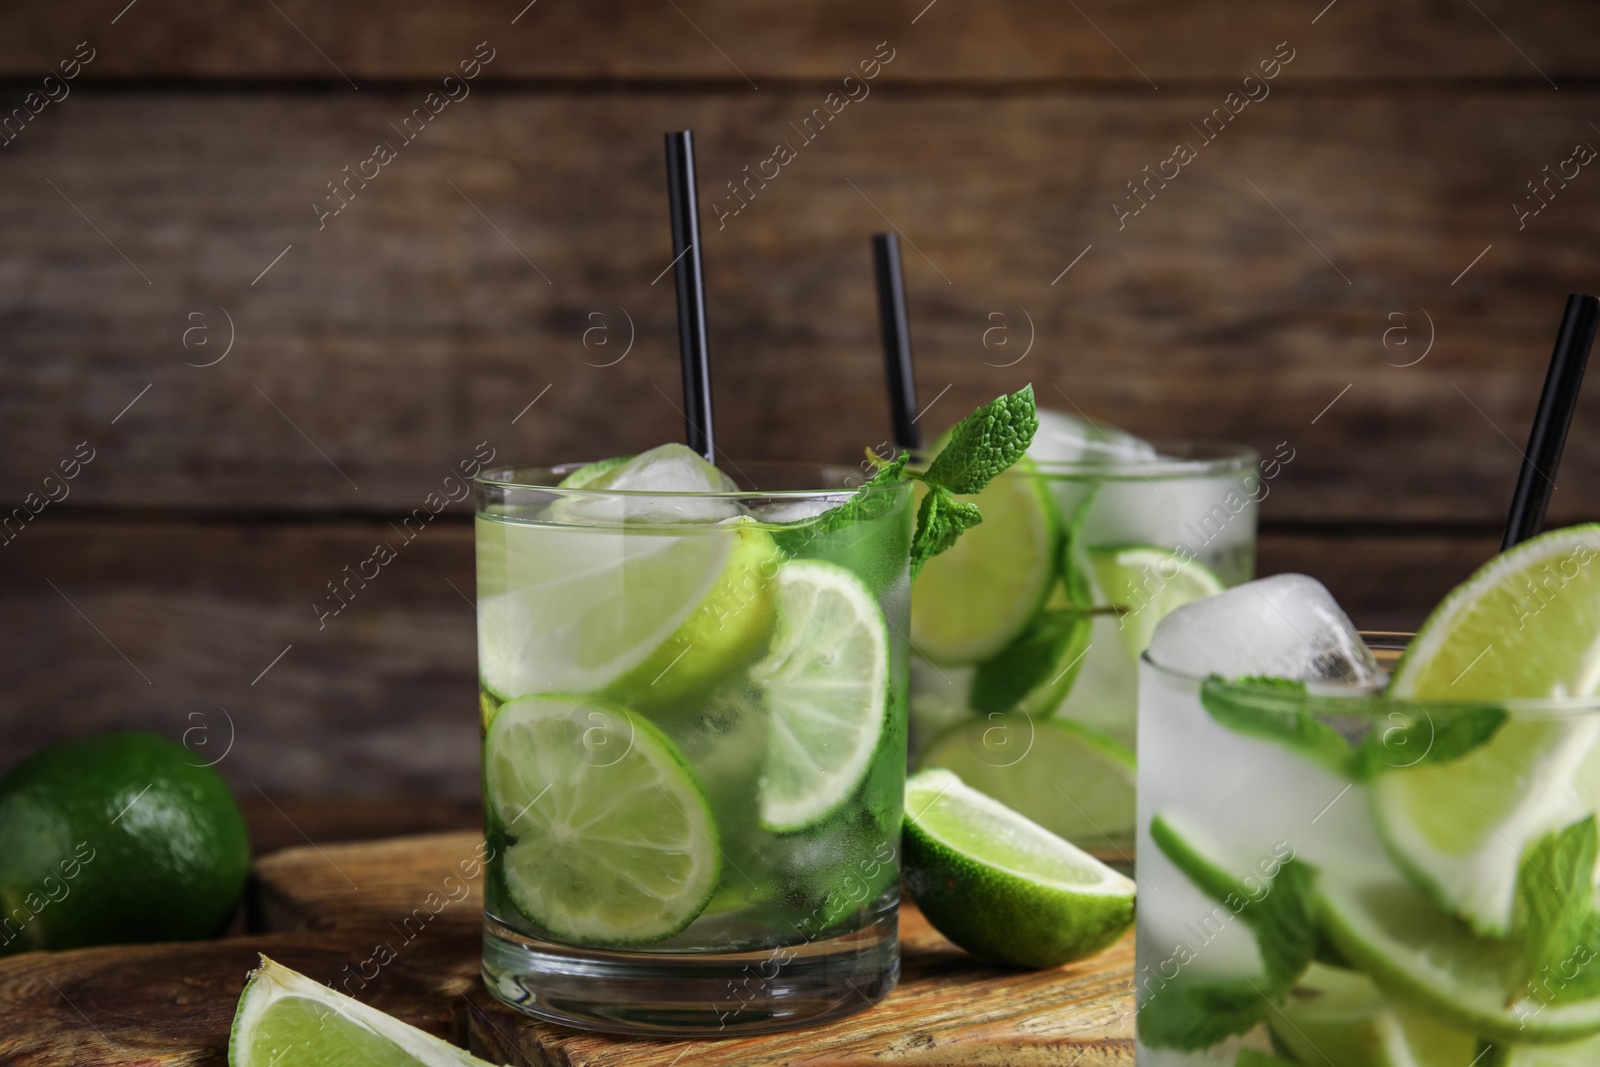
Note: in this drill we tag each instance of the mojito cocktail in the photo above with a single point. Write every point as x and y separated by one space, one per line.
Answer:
1346 860
694 737
1026 635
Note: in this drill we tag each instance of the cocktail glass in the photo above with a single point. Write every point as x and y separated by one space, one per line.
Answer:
1026 636
1289 857
693 709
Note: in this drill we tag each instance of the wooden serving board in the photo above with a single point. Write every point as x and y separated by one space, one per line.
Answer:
396 924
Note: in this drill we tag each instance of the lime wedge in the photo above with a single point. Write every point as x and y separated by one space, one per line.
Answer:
826 684
585 476
1574 1054
971 600
1337 1016
610 836
1416 953
1071 780
1001 886
1460 829
1527 624
285 1019
654 615
1149 582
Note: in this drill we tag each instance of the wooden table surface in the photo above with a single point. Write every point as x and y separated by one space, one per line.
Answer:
329 909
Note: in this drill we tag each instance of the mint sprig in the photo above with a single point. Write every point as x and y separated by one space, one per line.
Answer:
1555 894
981 446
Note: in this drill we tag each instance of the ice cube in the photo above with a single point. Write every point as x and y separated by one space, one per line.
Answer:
1286 626
782 511
1063 438
667 469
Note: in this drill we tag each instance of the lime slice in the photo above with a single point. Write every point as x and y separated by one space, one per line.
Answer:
1035 672
1460 829
1149 582
586 475
1574 1054
285 1019
611 837
1001 886
1337 1016
1073 781
1527 624
1417 953
654 615
826 683
970 601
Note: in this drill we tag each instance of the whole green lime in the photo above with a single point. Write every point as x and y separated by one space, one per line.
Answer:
117 839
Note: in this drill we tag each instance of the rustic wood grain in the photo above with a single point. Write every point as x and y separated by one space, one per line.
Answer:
948 1008
1000 41
378 352
382 700
173 1005
289 821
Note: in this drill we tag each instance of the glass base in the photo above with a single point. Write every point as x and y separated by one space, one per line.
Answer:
701 995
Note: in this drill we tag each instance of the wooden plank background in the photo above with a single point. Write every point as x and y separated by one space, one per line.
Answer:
1284 287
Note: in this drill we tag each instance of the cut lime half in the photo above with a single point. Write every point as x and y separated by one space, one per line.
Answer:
1001 886
285 1019
652 613
1071 780
1417 953
586 475
971 600
611 838
826 685
1337 1016
1525 625
1147 583
1460 829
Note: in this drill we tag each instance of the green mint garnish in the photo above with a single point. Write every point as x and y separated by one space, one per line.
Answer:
981 446
1194 1014
1266 708
985 443
1554 897
1029 661
1277 906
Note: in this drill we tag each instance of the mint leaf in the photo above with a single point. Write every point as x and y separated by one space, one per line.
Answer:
1032 659
1074 561
985 443
1196 1014
1554 895
1286 932
940 521
866 503
1271 713
1412 736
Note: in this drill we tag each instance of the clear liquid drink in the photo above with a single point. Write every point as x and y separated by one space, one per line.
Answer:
694 723
1026 636
1350 878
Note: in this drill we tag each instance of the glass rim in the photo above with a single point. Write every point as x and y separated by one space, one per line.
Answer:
1207 457
516 479
1366 704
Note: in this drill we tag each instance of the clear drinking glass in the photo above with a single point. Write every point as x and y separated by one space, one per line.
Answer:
1091 555
1411 829
694 725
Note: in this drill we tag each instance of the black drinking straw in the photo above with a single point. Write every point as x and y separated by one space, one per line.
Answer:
1552 419
896 339
690 275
